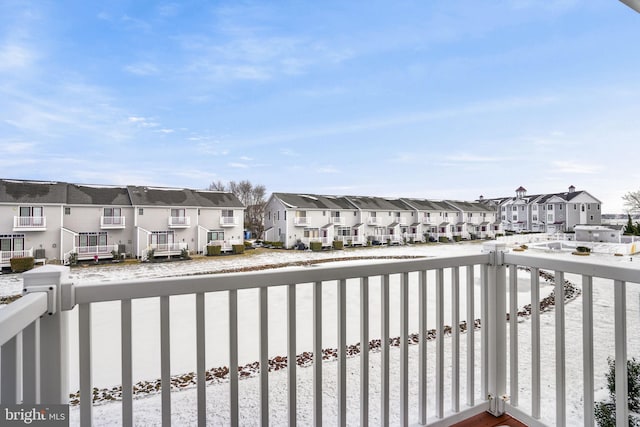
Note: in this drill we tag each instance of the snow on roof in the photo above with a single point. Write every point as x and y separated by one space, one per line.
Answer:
308 196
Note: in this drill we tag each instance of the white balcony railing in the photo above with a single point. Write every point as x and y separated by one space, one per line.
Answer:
337 220
301 221
374 220
228 221
5 256
179 221
112 222
497 364
225 245
167 248
29 223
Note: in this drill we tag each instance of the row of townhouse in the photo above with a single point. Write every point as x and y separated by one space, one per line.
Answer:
547 213
53 220
355 220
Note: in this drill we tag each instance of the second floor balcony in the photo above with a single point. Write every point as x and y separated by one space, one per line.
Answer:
179 221
112 222
229 221
374 220
29 223
301 221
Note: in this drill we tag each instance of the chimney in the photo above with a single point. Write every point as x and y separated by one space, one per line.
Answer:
481 198
572 189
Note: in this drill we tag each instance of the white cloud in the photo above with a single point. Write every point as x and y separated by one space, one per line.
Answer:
238 165
15 56
142 69
575 167
328 170
473 158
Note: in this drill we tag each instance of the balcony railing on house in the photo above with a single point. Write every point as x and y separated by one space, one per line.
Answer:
29 223
48 290
374 220
179 221
167 249
90 252
301 221
225 245
112 222
5 256
228 221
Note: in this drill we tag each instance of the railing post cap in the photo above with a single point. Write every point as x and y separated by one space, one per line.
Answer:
493 246
46 275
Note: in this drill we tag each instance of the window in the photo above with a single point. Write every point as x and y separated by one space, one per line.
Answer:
373 214
88 242
67 211
560 207
446 214
522 208
344 231
549 207
591 217
140 211
504 208
589 207
598 206
535 207
504 218
161 237
11 242
515 208
469 215
301 214
582 208
214 235
575 206
535 217
112 216
550 217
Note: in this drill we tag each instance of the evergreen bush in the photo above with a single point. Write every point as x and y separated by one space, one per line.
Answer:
315 246
213 250
338 244
20 265
238 249
605 412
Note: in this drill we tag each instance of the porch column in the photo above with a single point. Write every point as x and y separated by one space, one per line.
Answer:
54 360
496 327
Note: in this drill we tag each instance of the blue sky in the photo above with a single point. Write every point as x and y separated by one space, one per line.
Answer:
434 99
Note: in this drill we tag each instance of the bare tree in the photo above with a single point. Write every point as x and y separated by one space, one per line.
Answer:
632 201
253 197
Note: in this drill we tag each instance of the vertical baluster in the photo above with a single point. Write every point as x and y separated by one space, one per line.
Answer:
317 354
384 349
422 351
264 356
342 352
201 374
404 349
560 350
471 360
620 308
455 339
86 393
484 333
9 372
587 346
364 351
127 364
513 334
31 363
535 343
439 343
291 355
165 360
233 357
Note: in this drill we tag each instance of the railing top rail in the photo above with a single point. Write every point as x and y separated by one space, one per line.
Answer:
134 289
21 313
590 267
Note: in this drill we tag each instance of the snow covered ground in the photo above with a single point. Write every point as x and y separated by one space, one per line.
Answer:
146 338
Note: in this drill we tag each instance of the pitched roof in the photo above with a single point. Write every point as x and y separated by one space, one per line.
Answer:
217 199
314 201
160 196
22 191
97 195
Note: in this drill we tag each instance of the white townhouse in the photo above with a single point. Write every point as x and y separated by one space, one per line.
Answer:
31 215
474 220
304 218
384 220
550 213
427 220
57 221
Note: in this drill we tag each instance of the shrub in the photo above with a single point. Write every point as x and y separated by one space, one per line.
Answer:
583 249
247 244
315 246
151 254
457 238
73 258
338 244
20 265
184 253
214 250
524 247
605 412
443 239
238 249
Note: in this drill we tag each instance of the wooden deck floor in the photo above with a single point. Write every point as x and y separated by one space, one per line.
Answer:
487 420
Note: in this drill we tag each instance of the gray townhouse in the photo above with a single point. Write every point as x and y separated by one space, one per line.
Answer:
56 220
547 213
